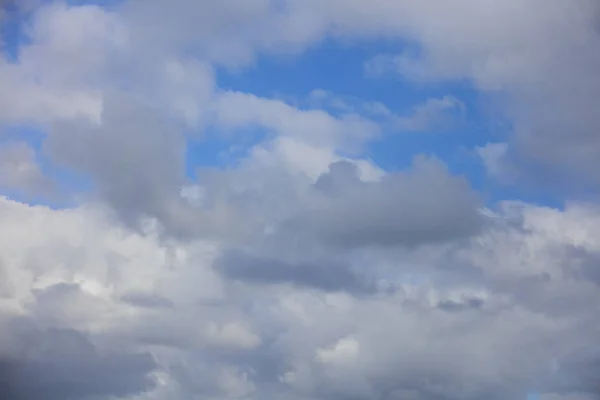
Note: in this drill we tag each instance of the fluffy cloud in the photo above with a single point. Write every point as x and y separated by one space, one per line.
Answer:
134 157
320 275
301 270
505 312
315 127
542 68
399 209
63 364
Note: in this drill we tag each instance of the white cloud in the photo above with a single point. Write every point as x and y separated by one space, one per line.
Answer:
492 155
59 75
434 115
233 334
314 127
536 56
532 306
345 350
236 385
323 98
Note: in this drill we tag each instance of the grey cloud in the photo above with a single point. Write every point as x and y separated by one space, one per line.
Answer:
62 364
543 68
584 265
422 205
44 355
421 352
226 32
407 345
309 238
134 158
577 374
146 300
537 59
567 286
325 275
64 304
465 304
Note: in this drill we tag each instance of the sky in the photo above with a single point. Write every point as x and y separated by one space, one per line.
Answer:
299 200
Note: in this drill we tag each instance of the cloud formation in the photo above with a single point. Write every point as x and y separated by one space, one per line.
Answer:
63 364
297 268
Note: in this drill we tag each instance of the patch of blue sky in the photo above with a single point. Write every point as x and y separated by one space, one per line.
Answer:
338 68
333 66
13 32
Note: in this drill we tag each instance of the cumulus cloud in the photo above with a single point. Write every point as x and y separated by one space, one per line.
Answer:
543 68
63 364
315 127
401 208
300 270
519 316
134 157
324 275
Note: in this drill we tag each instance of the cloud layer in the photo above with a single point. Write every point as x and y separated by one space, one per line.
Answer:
295 268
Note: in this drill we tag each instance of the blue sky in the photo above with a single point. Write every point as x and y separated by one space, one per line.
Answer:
295 76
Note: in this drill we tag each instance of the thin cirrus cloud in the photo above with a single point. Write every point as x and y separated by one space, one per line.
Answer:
296 267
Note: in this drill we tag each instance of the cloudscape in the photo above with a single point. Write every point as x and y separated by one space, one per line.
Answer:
299 200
